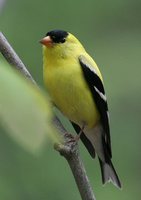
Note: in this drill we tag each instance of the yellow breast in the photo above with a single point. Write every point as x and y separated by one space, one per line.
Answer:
70 93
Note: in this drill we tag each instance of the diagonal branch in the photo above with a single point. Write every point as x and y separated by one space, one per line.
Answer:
69 149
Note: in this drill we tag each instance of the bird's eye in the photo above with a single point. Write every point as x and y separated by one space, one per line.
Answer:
57 39
53 37
63 40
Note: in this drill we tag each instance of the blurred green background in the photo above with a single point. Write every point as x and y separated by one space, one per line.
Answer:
111 32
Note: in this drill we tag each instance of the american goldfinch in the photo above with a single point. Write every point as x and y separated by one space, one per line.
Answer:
75 85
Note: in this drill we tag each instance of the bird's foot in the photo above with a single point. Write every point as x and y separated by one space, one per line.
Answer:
74 139
70 138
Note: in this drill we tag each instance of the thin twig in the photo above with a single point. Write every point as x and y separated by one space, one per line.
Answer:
69 149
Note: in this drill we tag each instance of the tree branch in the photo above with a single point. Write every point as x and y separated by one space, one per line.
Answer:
69 149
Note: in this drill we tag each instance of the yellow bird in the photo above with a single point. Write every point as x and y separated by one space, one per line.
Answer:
75 85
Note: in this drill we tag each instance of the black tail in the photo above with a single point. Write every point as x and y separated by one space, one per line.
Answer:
109 173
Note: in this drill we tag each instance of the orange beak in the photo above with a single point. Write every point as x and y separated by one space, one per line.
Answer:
47 41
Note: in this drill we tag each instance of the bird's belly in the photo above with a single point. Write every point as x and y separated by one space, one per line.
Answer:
72 96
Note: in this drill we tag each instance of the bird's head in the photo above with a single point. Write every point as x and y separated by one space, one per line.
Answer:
60 44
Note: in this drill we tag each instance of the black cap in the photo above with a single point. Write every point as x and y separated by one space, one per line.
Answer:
58 36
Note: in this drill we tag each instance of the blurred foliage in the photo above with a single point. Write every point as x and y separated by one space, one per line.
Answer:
25 112
111 32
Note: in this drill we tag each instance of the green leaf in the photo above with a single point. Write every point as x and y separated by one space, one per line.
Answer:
25 111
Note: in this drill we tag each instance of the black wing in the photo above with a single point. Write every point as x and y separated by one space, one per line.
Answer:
96 86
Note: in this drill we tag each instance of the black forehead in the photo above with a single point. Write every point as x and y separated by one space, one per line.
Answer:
57 34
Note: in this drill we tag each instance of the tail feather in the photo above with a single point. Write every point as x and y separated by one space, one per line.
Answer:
109 174
97 139
94 141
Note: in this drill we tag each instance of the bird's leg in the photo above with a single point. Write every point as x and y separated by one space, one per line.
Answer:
77 137
79 134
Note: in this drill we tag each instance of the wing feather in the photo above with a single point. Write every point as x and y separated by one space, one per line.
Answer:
98 93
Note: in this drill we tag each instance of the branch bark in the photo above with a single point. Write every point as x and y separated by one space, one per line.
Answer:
68 150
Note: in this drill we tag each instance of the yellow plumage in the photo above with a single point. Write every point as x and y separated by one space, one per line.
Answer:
75 85
65 82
